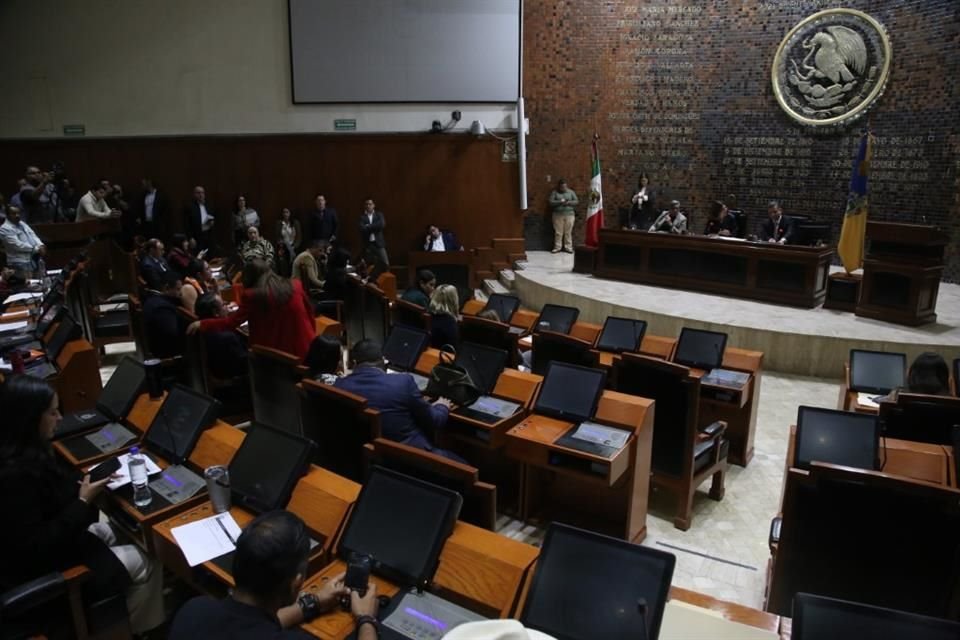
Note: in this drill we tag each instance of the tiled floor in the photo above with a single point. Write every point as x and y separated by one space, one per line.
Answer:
724 553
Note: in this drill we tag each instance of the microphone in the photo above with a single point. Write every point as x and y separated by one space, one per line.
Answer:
642 609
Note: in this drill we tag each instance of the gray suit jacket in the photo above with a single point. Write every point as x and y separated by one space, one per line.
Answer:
376 228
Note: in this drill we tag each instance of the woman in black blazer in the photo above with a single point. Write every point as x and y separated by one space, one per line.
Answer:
50 522
444 312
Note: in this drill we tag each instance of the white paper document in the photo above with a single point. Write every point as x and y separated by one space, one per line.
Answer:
9 327
123 472
866 399
26 295
208 538
601 434
682 621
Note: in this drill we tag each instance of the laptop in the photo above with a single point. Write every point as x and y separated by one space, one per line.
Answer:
558 318
115 402
45 366
504 305
402 350
588 586
621 334
876 373
821 618
837 437
484 364
700 349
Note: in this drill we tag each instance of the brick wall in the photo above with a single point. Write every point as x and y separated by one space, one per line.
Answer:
682 91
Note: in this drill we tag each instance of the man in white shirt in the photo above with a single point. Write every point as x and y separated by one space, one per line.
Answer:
438 240
20 242
92 205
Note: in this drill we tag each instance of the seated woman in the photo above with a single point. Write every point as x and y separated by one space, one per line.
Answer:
256 248
325 359
198 281
51 523
278 310
445 310
929 374
180 255
720 222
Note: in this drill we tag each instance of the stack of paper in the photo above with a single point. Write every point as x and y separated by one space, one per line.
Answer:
208 538
123 473
867 400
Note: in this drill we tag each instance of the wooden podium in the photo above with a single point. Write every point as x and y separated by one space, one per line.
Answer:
901 273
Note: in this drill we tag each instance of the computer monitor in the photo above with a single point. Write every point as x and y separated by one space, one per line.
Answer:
64 332
52 314
621 334
837 437
559 318
404 346
588 586
700 349
819 618
181 419
402 523
570 392
265 487
122 389
504 305
484 364
876 371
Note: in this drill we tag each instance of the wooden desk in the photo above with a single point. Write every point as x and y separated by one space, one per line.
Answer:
737 407
607 495
77 380
783 274
729 610
587 331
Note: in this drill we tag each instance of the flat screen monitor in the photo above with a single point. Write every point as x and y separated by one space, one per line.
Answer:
61 336
402 523
589 586
179 422
53 313
876 371
700 349
837 437
621 334
484 364
122 389
504 305
404 346
265 487
820 618
557 318
570 392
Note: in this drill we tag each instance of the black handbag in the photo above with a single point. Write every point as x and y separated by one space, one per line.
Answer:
448 380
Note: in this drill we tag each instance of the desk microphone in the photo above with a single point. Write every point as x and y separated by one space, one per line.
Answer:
642 609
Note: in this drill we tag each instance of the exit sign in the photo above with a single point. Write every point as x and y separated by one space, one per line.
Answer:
345 125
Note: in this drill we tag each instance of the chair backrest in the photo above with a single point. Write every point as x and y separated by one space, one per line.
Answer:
489 333
194 350
550 345
331 309
274 376
411 315
479 498
676 396
376 313
135 309
920 418
340 423
353 309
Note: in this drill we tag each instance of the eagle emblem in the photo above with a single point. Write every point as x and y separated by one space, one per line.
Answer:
831 67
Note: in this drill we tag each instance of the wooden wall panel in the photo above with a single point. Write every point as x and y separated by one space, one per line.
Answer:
458 182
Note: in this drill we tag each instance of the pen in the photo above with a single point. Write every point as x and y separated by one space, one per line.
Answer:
225 532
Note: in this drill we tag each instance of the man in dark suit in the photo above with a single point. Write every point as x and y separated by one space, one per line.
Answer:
226 350
153 266
150 210
438 240
323 221
165 328
405 416
199 219
777 228
372 224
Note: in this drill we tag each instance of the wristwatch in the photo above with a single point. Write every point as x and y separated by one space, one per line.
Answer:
362 620
309 605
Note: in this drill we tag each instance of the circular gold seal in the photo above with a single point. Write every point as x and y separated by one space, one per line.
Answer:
831 67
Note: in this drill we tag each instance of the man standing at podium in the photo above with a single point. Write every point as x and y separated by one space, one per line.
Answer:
777 228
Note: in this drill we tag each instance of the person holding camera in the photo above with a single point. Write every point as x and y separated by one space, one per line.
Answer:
269 569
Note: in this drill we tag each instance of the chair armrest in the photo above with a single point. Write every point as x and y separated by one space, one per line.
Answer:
713 429
40 590
774 538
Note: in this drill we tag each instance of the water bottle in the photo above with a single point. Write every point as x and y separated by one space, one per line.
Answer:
137 466
42 274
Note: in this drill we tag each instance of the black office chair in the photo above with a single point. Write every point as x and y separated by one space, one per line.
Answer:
920 418
341 424
490 333
549 346
411 315
274 376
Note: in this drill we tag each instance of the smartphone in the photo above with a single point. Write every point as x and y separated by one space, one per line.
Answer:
358 573
105 469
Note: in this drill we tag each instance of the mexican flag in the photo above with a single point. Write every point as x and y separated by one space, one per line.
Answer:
595 206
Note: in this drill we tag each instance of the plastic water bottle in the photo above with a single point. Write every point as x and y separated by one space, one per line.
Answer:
137 466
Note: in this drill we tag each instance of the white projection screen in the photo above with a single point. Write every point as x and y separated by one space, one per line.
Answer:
405 50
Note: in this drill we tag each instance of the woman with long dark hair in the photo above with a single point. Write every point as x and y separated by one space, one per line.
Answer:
278 310
51 524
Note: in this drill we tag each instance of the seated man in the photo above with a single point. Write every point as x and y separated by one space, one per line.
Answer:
20 243
437 240
226 350
778 227
672 220
93 204
306 266
165 328
269 568
153 266
420 294
405 416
